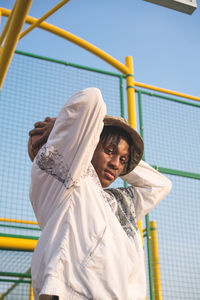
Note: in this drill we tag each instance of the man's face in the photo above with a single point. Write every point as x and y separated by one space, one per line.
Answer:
109 160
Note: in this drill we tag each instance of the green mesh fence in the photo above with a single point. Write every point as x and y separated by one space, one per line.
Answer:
38 87
15 274
170 129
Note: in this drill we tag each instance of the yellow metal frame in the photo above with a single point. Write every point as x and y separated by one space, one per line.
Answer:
31 292
126 70
18 221
12 243
155 262
44 17
130 84
11 34
89 47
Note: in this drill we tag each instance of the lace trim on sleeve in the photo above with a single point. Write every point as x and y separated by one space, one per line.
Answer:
52 162
125 209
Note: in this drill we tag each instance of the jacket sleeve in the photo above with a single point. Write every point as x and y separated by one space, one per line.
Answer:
74 137
149 187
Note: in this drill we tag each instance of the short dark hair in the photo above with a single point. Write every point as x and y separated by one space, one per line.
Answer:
115 134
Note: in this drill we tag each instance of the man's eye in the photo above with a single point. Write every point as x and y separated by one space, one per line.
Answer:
108 151
123 160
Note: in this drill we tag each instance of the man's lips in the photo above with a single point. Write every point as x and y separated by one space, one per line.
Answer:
109 174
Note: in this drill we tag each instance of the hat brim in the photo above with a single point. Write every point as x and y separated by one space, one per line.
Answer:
138 145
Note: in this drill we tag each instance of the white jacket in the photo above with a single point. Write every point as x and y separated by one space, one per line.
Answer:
85 252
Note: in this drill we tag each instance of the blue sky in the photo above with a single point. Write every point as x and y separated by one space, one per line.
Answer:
165 44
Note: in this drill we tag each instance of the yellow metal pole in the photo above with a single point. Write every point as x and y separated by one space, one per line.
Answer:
166 91
131 109
131 105
31 292
40 20
5 29
0 36
155 262
15 26
0 15
18 221
130 92
17 243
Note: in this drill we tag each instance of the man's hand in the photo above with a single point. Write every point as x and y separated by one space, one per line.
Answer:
39 135
41 132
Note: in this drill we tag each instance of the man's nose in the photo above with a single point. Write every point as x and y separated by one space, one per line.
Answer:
114 161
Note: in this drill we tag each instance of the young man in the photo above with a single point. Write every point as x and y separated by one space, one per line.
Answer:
90 246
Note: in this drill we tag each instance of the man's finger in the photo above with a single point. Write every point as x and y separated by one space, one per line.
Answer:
47 119
40 124
36 131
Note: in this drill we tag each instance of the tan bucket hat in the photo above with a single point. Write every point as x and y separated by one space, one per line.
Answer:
138 145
